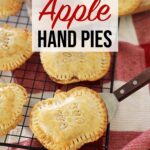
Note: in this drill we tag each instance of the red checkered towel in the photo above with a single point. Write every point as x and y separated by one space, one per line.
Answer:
133 117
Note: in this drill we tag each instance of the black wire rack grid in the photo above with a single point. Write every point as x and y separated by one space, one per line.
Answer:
32 76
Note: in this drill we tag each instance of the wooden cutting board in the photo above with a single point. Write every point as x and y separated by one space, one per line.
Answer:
145 6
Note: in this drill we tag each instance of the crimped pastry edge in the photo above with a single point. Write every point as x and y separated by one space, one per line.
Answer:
13 126
76 79
19 60
19 117
77 142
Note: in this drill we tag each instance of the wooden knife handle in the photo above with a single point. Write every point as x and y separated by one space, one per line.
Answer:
133 85
144 6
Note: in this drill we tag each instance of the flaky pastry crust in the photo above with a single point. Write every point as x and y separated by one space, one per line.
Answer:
12 99
9 7
65 68
70 119
127 7
15 47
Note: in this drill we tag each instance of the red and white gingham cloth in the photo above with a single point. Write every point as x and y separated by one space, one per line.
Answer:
140 143
130 128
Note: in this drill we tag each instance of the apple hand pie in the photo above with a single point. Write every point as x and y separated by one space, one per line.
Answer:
65 68
70 119
9 7
15 47
127 7
12 99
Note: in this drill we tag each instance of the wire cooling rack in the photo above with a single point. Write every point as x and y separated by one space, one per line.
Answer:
32 76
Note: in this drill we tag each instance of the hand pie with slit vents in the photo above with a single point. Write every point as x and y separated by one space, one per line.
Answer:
127 7
66 68
15 47
9 7
12 99
70 119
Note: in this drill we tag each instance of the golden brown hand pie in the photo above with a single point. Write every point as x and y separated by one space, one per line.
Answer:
70 119
144 6
127 7
9 7
15 47
68 68
12 99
